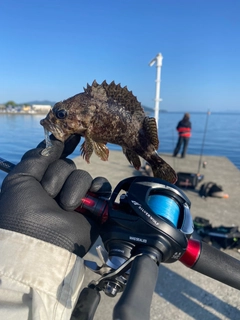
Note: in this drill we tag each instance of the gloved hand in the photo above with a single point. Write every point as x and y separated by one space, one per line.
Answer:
40 194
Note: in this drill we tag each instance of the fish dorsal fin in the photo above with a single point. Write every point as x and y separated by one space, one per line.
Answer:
150 127
96 91
119 95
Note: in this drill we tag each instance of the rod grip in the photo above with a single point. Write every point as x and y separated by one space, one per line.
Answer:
218 265
87 304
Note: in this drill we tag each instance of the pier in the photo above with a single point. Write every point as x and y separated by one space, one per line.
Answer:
182 293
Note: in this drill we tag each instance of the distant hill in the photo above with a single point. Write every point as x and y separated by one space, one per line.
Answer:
150 110
147 109
51 103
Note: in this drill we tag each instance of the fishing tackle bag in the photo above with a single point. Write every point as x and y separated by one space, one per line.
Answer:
188 180
224 237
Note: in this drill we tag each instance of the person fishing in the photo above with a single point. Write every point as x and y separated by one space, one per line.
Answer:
184 128
42 238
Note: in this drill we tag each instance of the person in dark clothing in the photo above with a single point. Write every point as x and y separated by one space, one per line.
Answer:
184 133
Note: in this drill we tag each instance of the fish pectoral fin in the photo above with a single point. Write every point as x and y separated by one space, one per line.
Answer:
150 128
101 150
132 157
87 149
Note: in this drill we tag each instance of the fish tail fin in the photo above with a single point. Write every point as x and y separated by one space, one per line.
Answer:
162 169
132 157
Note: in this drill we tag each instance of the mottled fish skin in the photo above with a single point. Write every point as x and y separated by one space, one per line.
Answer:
107 113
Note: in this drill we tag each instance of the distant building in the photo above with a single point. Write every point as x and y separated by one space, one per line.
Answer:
26 108
2 108
44 108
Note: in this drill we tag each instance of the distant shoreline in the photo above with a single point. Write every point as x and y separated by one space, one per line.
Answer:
23 113
166 112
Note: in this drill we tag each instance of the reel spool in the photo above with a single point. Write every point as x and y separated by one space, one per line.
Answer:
164 207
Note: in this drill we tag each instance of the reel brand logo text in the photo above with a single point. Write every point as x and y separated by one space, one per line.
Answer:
145 212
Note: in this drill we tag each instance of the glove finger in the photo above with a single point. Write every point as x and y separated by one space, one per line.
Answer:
74 189
34 164
69 145
101 186
56 175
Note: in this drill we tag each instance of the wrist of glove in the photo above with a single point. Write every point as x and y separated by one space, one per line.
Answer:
40 194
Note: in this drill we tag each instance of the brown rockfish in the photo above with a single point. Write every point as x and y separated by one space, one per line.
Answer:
109 113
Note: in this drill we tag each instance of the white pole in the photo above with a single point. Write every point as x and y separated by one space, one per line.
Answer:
158 60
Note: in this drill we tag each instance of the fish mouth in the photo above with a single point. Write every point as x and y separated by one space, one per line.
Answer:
54 129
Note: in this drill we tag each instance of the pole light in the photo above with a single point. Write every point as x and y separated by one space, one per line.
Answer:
158 60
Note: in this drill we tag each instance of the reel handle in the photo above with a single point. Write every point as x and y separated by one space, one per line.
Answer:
135 301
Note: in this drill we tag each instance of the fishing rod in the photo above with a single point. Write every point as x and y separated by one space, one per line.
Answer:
204 135
174 163
5 165
151 224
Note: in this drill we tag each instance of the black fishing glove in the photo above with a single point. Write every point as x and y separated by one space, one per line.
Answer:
40 194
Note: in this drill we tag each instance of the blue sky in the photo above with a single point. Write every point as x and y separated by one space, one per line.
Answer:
50 49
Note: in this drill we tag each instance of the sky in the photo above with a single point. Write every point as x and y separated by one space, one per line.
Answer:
51 49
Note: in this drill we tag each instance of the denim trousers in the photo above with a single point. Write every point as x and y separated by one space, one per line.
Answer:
181 141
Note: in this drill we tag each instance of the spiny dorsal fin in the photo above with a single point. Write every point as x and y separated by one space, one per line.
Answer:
150 127
96 91
122 96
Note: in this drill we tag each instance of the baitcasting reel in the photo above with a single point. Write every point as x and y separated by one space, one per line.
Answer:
152 217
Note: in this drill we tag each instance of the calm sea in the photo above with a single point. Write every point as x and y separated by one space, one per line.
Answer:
217 133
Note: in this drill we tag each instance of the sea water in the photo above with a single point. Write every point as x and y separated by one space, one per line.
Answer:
217 134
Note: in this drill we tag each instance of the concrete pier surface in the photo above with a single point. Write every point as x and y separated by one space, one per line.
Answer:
182 293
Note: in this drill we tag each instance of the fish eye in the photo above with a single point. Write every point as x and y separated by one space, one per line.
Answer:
61 114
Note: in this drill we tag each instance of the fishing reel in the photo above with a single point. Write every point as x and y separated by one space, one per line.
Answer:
145 216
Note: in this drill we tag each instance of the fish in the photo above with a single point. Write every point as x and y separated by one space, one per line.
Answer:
108 113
